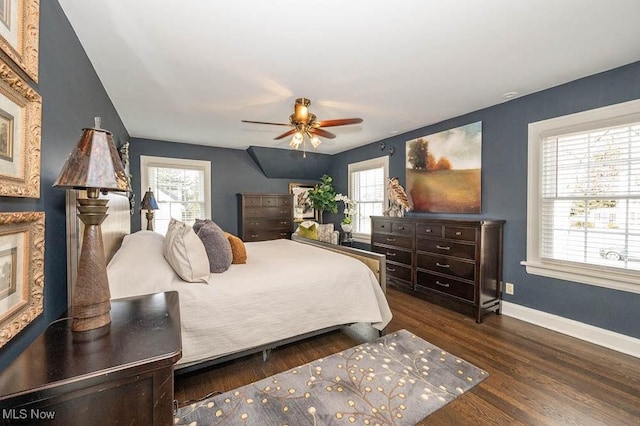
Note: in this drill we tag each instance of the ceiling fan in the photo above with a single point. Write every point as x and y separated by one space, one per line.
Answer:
304 123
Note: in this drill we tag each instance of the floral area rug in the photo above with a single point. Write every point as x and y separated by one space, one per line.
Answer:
398 379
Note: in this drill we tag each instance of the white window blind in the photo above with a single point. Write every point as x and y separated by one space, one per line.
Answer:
583 212
181 189
591 197
367 183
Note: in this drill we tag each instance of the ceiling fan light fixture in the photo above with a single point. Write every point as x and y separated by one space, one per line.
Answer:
315 141
296 140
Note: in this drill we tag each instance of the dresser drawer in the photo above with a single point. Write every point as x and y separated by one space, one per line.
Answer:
429 230
397 271
449 248
265 234
382 226
394 240
252 201
398 228
447 265
251 212
264 223
285 201
394 254
448 286
460 233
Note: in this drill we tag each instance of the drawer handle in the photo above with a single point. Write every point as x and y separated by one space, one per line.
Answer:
428 231
284 222
401 228
443 247
391 254
459 233
283 234
442 284
391 269
283 211
443 266
254 235
390 239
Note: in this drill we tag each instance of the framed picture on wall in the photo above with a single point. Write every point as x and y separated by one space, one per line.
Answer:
444 171
20 125
21 271
302 209
19 33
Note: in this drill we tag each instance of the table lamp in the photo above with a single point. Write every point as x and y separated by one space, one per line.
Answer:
94 165
149 204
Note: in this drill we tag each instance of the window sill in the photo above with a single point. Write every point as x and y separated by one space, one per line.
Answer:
623 281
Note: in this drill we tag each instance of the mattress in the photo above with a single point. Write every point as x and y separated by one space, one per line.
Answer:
285 289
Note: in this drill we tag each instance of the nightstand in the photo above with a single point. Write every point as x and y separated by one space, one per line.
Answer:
118 374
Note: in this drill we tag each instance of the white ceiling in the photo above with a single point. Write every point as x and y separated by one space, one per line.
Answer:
190 70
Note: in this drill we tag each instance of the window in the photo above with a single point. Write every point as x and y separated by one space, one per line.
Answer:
584 195
367 187
181 187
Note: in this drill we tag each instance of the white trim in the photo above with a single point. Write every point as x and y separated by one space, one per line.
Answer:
147 161
598 336
624 280
372 163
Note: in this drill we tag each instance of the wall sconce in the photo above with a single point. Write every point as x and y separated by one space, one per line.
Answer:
93 165
149 204
392 150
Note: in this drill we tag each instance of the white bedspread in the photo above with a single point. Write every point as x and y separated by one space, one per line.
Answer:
285 289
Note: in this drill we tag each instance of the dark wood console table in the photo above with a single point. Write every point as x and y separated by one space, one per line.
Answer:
119 374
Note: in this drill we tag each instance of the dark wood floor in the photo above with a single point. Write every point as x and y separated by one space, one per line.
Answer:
537 376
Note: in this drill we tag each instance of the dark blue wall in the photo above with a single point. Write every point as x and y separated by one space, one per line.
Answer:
504 190
72 95
232 171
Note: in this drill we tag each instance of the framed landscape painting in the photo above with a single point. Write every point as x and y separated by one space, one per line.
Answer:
444 171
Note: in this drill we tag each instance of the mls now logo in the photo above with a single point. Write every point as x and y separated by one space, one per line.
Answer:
27 414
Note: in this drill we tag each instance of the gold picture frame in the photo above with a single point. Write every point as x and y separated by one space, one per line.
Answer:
21 115
19 33
21 271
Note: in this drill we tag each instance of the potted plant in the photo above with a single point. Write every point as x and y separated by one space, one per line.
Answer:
323 197
349 211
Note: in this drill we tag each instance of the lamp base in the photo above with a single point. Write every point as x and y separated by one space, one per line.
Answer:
91 304
149 216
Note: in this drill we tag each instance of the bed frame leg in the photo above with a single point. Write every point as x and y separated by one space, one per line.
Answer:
266 354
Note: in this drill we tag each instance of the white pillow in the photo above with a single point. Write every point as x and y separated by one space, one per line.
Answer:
185 252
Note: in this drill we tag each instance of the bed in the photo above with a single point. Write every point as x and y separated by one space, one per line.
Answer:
287 289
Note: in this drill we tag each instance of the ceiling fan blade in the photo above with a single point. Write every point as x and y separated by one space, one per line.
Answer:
266 122
322 133
339 122
285 134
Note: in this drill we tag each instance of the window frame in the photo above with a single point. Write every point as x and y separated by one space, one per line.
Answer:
373 163
147 161
615 278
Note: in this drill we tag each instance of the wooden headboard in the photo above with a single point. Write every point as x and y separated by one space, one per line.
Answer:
114 228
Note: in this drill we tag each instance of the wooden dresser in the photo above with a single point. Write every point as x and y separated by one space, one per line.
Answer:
457 263
265 216
121 373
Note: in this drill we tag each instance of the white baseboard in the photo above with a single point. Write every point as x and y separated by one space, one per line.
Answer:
599 336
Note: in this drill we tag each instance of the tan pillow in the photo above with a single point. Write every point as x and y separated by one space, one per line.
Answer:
238 249
185 252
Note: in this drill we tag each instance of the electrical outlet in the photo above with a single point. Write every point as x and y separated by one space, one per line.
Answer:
508 288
